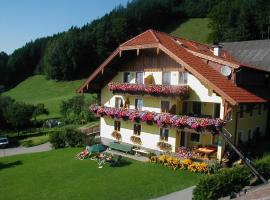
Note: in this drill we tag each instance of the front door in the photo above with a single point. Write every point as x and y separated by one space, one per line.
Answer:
183 138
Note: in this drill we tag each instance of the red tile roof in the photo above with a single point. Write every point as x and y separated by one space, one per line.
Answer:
220 84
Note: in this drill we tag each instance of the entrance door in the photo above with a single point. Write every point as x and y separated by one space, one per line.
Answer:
183 138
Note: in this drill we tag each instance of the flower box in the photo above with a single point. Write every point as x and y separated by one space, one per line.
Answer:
161 119
153 90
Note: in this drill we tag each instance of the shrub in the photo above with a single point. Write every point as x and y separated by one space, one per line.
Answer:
70 137
75 138
263 166
57 139
222 183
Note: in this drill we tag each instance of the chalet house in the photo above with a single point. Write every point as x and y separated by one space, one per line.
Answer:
162 92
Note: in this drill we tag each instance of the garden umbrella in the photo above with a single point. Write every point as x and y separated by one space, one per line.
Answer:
96 148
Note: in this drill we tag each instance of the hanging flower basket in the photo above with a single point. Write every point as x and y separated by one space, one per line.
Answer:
116 135
154 90
164 146
136 140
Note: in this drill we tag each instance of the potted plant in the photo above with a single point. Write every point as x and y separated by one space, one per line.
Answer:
116 135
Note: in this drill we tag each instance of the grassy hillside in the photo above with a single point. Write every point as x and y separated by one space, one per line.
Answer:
193 29
37 89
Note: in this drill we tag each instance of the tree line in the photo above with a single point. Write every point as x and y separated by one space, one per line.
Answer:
77 52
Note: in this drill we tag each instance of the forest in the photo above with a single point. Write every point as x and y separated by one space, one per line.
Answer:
77 52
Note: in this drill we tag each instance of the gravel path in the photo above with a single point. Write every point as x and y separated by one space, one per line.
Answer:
23 150
185 194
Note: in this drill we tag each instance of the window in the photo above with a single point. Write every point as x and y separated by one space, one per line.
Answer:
197 106
164 134
185 108
138 104
117 125
264 106
182 78
166 78
216 110
137 129
139 77
165 106
127 77
241 111
195 137
118 102
250 135
259 109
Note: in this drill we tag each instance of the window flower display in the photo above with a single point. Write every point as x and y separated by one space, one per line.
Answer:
161 119
154 90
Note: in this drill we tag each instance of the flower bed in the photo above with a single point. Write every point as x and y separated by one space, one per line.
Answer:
154 90
161 119
184 152
176 163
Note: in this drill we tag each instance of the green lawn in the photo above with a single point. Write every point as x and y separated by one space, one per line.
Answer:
58 175
193 29
37 89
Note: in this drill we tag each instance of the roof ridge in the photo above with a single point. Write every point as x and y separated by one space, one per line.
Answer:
137 36
153 33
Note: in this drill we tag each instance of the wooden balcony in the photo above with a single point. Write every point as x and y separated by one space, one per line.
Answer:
181 91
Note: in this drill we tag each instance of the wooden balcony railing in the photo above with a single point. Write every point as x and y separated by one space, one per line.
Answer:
153 90
161 119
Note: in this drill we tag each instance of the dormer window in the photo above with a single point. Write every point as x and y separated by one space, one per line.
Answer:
166 78
127 77
139 77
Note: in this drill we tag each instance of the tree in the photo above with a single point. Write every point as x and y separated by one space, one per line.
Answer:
18 115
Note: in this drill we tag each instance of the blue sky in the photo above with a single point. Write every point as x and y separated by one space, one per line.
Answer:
25 20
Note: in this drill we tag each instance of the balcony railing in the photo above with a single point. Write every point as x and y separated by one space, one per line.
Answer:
153 90
161 119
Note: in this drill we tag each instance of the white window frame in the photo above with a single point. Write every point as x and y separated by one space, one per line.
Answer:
170 78
185 78
138 98
161 104
142 77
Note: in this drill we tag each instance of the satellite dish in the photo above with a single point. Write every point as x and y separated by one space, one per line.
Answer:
225 70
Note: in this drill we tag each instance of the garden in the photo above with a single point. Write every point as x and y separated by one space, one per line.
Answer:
57 174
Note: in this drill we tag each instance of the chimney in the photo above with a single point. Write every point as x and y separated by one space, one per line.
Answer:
217 50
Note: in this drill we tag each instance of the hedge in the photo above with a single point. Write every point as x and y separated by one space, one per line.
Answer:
229 180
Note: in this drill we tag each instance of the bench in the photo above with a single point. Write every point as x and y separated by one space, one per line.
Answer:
140 151
121 147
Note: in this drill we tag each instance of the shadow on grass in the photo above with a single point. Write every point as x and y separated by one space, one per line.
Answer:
9 165
121 163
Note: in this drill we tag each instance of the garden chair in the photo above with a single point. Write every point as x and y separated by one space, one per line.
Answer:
116 162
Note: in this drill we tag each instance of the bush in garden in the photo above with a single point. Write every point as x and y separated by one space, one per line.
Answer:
57 139
222 183
263 166
70 137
